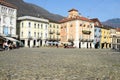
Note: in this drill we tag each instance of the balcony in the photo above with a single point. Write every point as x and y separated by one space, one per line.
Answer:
12 35
30 38
105 36
87 40
51 32
54 39
58 33
58 39
86 32
91 40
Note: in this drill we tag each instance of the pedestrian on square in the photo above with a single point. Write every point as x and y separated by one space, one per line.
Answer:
5 45
57 45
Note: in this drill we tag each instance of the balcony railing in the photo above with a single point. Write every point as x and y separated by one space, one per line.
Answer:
86 32
12 35
58 33
87 40
51 32
30 37
54 39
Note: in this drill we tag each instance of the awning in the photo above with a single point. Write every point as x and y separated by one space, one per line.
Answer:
11 39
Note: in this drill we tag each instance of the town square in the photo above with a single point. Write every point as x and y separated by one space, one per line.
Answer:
59 64
59 40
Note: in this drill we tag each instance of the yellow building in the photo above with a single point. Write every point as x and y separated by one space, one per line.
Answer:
32 31
118 39
105 37
54 33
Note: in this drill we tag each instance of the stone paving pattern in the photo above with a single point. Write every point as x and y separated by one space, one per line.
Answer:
59 64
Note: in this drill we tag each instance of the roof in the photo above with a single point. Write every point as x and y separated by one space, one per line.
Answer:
73 10
33 18
76 18
106 27
96 20
3 2
118 29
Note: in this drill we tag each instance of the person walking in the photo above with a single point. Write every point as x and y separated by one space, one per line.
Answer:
57 45
5 46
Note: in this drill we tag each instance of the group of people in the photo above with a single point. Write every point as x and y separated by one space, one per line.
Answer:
8 46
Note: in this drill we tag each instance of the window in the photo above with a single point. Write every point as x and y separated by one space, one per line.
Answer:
41 35
35 25
80 24
46 26
22 25
11 19
53 26
29 24
57 26
45 35
91 26
95 35
95 30
41 26
88 26
84 25
29 34
118 40
99 30
4 17
38 26
50 25
34 34
38 34
54 31
22 34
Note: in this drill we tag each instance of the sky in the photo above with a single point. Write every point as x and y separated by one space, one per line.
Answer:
101 9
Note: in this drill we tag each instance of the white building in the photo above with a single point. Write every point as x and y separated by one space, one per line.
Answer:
8 14
32 31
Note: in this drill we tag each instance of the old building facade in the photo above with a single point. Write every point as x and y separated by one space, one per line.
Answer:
115 39
54 33
8 15
97 32
105 37
77 30
32 31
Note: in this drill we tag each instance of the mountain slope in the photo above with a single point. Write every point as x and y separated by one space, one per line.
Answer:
33 10
112 22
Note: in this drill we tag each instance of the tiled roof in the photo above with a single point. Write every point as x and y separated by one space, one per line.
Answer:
96 20
76 18
73 10
118 29
3 2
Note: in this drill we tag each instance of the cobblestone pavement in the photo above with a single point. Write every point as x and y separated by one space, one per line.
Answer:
59 64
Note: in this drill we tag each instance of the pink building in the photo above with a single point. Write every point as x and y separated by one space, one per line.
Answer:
78 30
